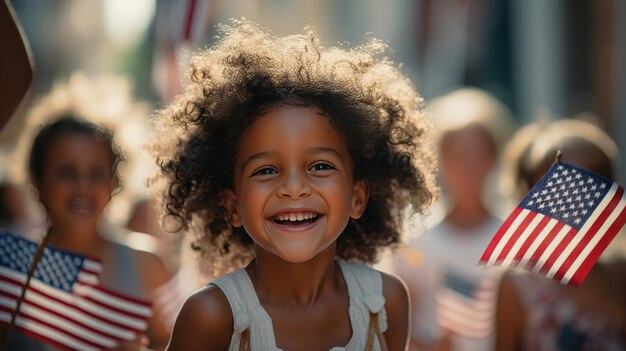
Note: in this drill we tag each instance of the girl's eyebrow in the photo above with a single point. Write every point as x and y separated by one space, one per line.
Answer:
324 150
258 155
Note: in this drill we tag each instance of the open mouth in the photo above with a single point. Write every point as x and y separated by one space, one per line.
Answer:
81 207
296 219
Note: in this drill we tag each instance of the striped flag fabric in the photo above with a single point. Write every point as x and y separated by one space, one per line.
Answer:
562 226
181 27
64 306
466 307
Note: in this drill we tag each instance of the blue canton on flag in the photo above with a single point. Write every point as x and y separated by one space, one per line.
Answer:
568 195
57 268
562 226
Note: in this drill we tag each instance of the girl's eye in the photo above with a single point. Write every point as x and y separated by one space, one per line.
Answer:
264 171
66 173
322 166
97 175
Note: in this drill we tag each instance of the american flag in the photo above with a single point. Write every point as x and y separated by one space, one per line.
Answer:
562 226
465 307
181 27
64 306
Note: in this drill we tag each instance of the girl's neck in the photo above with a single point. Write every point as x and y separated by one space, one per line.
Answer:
75 240
468 215
302 283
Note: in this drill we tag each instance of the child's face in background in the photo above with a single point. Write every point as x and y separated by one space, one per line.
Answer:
294 191
77 181
467 156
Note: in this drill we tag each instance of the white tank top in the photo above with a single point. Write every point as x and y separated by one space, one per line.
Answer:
365 290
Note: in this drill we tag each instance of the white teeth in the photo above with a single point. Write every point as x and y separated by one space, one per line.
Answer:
294 217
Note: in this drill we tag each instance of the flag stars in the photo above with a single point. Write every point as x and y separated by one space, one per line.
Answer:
591 203
589 180
587 196
544 191
566 215
602 185
566 172
535 195
578 175
584 212
577 221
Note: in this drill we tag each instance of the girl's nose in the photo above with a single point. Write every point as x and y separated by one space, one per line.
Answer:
294 185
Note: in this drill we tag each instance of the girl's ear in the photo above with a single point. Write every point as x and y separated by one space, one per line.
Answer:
360 195
229 200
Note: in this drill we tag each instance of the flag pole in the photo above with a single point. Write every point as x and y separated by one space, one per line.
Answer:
31 271
557 158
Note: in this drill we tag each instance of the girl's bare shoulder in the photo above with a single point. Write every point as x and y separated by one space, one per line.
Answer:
205 322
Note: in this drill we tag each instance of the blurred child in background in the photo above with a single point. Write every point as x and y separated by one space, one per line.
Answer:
73 166
535 312
470 126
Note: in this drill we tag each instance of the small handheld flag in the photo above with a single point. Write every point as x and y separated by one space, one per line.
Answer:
466 307
562 226
64 305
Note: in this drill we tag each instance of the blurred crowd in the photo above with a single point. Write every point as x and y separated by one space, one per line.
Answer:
488 161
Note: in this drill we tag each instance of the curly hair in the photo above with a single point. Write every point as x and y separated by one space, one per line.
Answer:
247 73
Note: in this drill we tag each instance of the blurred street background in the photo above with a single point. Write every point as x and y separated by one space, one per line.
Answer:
543 59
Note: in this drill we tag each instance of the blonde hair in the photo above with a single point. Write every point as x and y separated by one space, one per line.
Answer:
469 107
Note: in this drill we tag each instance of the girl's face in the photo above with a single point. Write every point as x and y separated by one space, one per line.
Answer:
294 191
467 157
77 181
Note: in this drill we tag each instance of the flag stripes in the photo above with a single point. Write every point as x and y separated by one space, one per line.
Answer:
561 227
469 314
64 304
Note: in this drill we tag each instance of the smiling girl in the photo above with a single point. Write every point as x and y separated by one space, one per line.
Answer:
293 163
